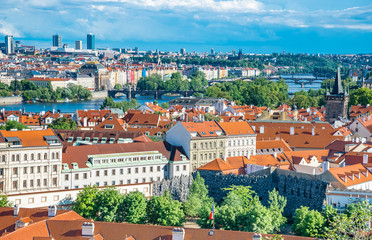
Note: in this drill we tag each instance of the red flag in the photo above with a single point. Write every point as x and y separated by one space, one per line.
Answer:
211 216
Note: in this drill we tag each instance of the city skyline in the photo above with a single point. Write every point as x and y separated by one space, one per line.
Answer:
256 26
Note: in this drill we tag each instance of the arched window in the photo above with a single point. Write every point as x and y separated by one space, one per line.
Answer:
3 158
53 155
17 157
45 156
39 156
32 156
13 158
25 157
57 155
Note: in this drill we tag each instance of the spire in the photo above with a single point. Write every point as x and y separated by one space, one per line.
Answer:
337 88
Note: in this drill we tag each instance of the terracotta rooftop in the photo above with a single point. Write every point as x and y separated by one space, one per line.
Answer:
30 138
79 154
349 175
71 229
236 128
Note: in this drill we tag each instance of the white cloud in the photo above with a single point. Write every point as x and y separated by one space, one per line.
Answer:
8 29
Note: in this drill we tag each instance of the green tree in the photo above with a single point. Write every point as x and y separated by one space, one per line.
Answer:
132 209
361 96
163 210
86 202
353 224
277 204
4 202
108 202
308 223
164 105
118 86
63 123
13 125
197 198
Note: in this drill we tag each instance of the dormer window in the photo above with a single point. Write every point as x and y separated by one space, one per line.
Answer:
109 126
51 139
14 141
70 139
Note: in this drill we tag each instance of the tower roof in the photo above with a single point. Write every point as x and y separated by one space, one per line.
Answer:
337 87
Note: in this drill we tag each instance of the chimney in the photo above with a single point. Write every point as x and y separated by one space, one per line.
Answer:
291 131
325 166
256 236
365 159
313 131
248 156
85 121
178 234
313 171
16 210
87 229
262 129
52 211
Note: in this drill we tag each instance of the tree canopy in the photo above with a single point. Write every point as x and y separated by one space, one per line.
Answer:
13 125
63 123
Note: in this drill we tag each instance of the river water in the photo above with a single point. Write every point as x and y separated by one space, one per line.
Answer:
69 107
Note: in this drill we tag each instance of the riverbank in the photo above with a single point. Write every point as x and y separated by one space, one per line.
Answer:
99 95
10 100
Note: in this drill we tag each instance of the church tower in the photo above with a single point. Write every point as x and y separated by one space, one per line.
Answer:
337 101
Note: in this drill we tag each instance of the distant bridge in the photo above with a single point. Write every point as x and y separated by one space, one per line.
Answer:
132 94
298 78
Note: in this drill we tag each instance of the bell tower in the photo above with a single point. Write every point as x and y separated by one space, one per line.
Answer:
337 101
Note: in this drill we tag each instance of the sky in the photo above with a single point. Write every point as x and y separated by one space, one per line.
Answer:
255 26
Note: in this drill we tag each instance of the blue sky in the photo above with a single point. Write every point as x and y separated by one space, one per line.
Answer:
257 26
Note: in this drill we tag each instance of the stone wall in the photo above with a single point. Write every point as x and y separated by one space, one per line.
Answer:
99 95
10 100
300 189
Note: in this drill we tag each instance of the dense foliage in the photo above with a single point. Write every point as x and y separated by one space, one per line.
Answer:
305 99
30 91
4 202
13 125
63 123
110 206
197 82
361 96
242 210
124 105
354 223
261 92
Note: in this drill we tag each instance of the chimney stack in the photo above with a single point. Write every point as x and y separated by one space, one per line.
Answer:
262 129
52 211
87 229
291 130
365 158
325 166
178 234
256 236
16 210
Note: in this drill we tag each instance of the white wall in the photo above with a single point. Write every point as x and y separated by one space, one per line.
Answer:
65 197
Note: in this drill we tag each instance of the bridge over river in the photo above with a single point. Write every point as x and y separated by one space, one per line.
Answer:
131 94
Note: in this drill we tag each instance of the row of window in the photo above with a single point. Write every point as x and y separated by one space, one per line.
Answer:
207 156
32 156
128 159
31 183
208 144
31 170
241 142
239 153
121 182
118 171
